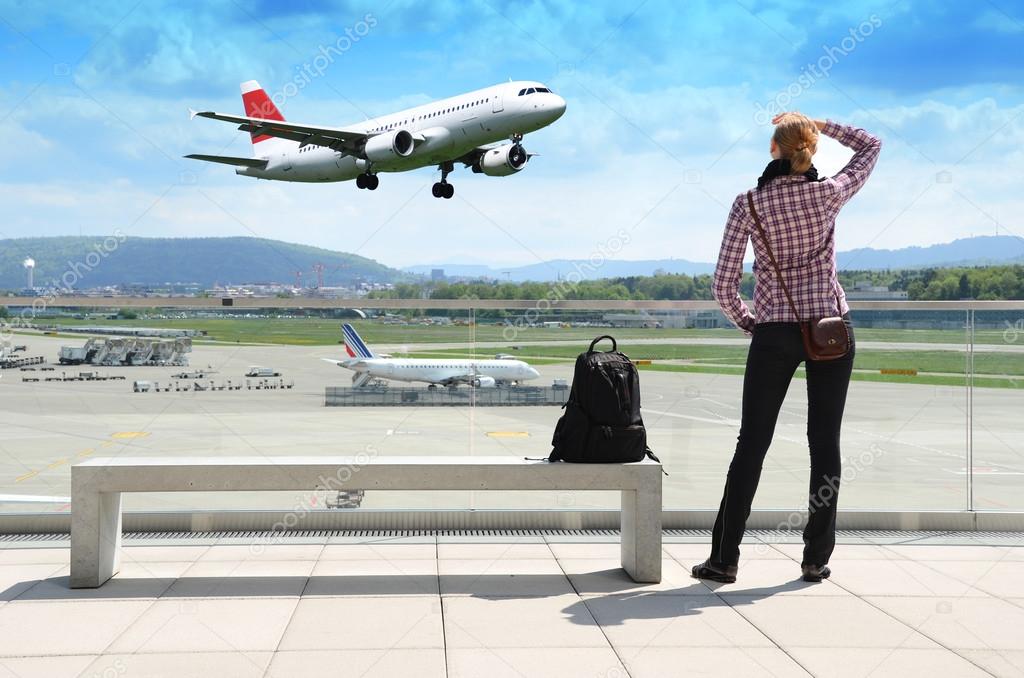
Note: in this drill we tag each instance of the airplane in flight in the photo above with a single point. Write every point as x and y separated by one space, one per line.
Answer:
468 128
487 373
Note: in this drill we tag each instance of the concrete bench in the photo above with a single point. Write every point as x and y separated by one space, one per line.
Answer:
97 484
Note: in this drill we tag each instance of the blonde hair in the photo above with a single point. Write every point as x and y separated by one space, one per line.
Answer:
796 135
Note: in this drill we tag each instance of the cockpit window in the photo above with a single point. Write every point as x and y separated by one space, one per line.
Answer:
543 89
530 91
522 92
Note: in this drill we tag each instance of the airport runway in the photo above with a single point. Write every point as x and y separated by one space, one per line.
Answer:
904 445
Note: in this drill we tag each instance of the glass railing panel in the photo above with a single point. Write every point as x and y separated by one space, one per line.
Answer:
997 399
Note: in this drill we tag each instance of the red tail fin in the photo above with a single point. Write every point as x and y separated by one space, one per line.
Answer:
259 105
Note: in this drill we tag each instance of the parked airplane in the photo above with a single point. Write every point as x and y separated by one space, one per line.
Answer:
466 128
486 373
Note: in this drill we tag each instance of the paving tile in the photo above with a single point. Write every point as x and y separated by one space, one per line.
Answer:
749 662
654 620
134 580
21 556
401 577
151 554
581 550
534 662
514 577
944 552
16 579
428 663
262 551
43 667
378 552
354 623
867 662
181 665
898 578
819 621
774 578
1003 663
689 555
1003 579
70 627
593 576
842 552
960 623
244 579
556 621
215 625
511 551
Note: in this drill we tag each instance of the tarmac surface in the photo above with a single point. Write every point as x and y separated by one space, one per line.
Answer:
904 445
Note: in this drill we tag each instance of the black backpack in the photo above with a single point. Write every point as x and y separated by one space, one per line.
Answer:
602 423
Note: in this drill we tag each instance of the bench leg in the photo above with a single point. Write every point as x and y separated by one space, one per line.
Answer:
95 538
641 534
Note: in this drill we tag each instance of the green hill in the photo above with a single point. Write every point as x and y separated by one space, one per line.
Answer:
93 261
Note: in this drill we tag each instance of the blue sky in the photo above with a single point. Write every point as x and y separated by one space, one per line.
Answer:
665 121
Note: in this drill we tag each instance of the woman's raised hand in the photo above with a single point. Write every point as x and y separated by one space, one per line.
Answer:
820 124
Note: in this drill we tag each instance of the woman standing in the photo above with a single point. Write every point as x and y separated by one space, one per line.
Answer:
796 212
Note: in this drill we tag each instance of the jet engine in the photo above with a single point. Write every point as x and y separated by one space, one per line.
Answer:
484 382
389 146
502 161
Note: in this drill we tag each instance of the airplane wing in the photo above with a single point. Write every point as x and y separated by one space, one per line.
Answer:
333 137
228 160
464 378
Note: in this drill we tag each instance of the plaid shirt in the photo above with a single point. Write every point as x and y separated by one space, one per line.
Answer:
799 217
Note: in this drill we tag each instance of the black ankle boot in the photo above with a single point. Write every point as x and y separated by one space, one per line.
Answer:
725 574
815 573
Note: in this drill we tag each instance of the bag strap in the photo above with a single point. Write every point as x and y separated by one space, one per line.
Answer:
771 255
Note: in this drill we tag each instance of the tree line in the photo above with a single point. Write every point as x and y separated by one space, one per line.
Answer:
952 283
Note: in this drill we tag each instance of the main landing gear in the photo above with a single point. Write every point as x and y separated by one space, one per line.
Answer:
368 181
442 189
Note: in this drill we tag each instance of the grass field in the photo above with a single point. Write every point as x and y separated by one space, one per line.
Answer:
317 331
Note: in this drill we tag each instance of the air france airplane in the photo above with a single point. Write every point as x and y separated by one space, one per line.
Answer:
487 373
467 128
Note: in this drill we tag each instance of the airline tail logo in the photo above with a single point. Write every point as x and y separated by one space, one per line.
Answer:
354 344
259 105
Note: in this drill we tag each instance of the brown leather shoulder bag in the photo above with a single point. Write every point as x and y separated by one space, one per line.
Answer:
824 338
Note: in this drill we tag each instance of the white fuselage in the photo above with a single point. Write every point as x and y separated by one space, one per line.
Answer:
442 371
452 127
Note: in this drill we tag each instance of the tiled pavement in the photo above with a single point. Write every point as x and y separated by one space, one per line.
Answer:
514 606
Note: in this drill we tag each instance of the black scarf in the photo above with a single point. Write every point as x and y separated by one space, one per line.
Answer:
781 168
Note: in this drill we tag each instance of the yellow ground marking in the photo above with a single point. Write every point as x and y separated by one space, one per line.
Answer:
56 463
26 476
508 434
121 435
105 443
86 453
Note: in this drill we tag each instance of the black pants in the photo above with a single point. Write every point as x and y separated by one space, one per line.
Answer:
775 352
